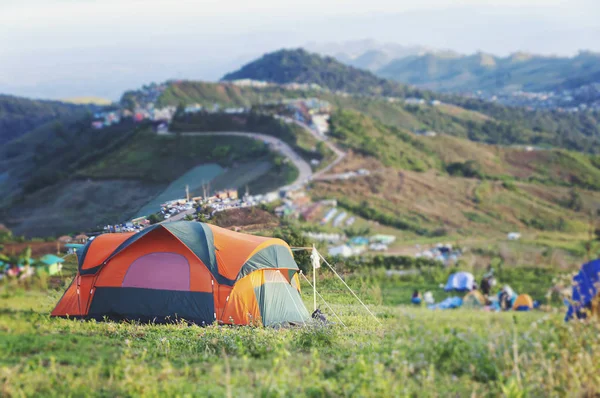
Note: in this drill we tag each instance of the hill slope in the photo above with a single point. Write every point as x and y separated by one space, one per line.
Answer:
448 185
300 66
473 119
68 177
20 115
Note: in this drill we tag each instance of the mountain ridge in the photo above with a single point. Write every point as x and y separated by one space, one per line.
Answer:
517 71
300 66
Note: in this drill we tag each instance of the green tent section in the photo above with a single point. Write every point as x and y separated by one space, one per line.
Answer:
474 300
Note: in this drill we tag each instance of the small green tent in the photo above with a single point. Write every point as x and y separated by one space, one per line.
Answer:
474 300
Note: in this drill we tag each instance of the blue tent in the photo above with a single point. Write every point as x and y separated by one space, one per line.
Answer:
585 289
460 282
449 303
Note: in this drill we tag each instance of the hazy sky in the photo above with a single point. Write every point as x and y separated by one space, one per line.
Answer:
63 48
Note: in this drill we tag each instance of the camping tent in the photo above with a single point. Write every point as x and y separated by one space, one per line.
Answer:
448 303
474 299
460 281
523 303
186 270
50 264
584 289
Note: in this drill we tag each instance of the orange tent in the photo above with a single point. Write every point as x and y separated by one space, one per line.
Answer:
524 302
186 271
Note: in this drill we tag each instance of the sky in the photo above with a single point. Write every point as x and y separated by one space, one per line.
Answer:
67 48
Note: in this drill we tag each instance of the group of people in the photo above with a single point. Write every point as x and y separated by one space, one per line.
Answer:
504 300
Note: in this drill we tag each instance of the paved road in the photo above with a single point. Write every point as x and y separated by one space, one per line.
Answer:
339 154
179 216
304 171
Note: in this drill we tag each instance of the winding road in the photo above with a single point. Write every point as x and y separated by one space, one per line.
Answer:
305 173
339 154
304 170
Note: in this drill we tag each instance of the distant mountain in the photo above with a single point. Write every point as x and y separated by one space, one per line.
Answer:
300 66
371 60
366 54
481 71
20 115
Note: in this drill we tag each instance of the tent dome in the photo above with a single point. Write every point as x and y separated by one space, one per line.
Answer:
460 281
524 302
474 299
189 271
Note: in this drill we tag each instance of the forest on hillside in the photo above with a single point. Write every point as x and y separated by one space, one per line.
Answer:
20 115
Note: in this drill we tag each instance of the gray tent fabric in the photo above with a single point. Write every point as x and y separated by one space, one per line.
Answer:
81 254
279 302
199 239
274 256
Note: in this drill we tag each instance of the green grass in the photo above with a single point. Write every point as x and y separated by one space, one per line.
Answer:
390 145
282 174
414 352
150 157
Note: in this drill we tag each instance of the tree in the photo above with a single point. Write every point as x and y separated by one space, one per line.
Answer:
179 111
154 218
574 202
25 258
468 169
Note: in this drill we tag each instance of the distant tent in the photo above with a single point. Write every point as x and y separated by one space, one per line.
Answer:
460 281
186 271
50 264
474 299
449 303
523 303
584 289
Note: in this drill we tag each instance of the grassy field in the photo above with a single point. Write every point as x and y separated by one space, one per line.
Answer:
413 352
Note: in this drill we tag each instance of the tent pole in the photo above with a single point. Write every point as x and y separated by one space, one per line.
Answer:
351 291
314 282
327 304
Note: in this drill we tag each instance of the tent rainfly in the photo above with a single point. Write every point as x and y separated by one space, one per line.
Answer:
188 271
460 281
524 302
474 299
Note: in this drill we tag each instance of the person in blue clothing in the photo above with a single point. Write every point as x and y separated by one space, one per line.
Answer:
416 298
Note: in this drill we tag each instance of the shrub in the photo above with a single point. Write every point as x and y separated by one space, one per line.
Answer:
315 336
468 169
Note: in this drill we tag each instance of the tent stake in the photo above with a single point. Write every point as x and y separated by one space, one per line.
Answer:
327 304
